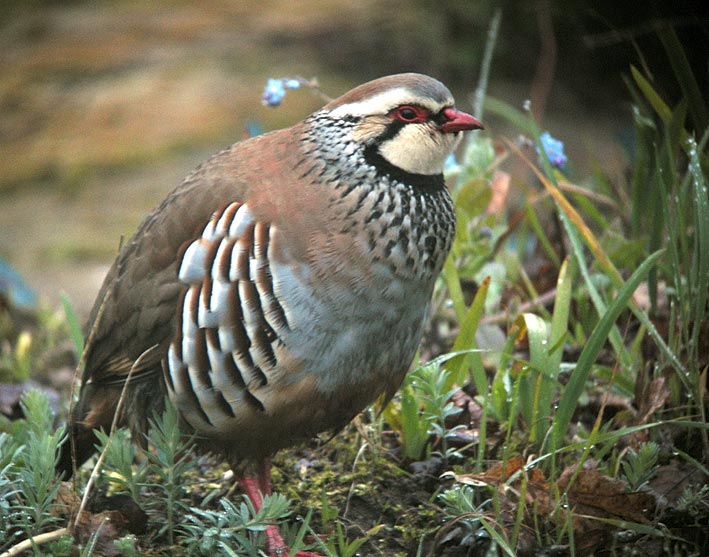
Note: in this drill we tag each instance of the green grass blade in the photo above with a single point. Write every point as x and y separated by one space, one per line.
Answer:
549 250
642 169
414 430
701 223
658 105
560 317
77 336
574 388
685 76
541 383
466 341
506 111
546 352
497 538
450 276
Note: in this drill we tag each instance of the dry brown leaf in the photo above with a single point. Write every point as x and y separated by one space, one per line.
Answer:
591 496
103 528
597 495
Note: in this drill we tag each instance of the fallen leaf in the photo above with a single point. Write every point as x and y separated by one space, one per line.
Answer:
102 528
594 494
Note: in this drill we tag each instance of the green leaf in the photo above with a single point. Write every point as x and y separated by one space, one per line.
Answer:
685 76
658 105
700 264
560 317
414 430
466 341
506 111
77 336
450 275
542 378
574 388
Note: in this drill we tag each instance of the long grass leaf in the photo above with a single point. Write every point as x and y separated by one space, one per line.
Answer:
658 105
685 76
560 317
497 538
536 391
549 250
506 111
72 320
575 386
615 276
546 352
700 267
466 341
450 276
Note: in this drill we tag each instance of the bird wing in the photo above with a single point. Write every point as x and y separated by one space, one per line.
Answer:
136 308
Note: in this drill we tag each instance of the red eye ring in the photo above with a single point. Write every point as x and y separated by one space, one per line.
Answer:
409 113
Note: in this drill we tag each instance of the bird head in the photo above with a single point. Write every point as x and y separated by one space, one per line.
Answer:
405 121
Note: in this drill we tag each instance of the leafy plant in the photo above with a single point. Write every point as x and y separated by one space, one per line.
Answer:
694 500
459 503
170 463
28 486
639 467
232 529
425 407
123 473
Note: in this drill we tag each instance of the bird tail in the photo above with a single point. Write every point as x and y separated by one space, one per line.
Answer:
95 409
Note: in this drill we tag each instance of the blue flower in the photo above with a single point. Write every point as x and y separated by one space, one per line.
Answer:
276 89
451 164
554 150
273 93
14 290
290 83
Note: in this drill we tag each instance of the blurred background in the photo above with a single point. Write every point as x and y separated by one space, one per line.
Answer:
106 105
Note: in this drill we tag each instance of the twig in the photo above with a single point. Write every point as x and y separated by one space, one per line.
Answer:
541 300
632 32
314 86
481 89
546 63
360 452
39 539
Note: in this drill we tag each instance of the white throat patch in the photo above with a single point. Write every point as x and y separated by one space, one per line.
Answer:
420 149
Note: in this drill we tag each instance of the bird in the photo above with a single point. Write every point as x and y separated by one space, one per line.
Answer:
282 287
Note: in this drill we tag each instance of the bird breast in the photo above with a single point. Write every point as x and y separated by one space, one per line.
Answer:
278 339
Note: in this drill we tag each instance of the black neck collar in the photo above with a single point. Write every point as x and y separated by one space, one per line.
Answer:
423 183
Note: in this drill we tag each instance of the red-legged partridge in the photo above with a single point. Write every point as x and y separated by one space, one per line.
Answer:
283 286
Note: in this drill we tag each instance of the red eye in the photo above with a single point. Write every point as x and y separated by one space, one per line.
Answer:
409 113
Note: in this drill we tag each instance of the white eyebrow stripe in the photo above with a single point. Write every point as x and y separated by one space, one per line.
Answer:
383 103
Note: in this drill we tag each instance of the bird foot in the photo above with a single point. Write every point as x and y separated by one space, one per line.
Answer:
276 547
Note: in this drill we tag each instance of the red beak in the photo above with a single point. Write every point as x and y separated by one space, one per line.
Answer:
459 122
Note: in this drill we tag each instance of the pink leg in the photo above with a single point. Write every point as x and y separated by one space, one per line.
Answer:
255 486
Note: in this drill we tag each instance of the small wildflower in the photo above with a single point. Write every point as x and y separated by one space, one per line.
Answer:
276 89
273 93
486 233
290 83
554 150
